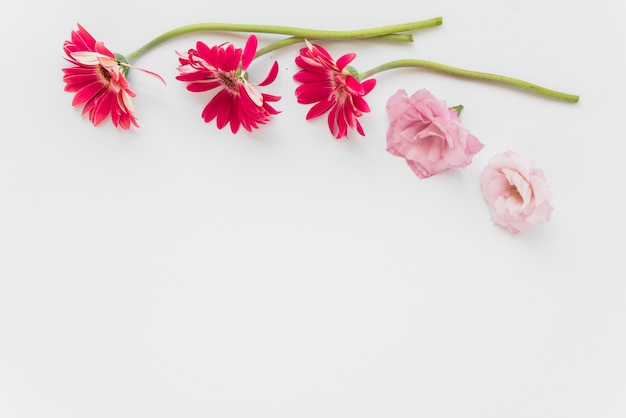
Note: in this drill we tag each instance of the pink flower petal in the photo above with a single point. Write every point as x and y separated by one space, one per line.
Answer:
517 200
423 131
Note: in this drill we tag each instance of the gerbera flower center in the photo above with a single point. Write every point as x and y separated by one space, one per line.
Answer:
229 80
338 84
105 73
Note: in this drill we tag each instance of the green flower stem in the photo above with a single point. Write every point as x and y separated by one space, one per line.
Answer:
277 45
471 74
378 32
401 37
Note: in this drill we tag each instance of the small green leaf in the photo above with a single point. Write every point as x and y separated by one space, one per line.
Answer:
123 63
458 109
353 72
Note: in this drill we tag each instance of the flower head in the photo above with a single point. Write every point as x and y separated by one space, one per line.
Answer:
428 134
237 102
97 76
329 85
516 192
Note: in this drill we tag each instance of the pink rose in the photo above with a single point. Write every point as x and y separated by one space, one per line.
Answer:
428 134
516 192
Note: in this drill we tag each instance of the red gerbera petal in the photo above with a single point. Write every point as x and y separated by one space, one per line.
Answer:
87 93
345 60
248 52
271 76
319 109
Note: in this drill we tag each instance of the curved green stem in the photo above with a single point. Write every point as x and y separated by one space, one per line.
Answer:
471 74
400 37
279 44
287 30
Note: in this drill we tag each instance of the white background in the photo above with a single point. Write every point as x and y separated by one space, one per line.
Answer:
177 270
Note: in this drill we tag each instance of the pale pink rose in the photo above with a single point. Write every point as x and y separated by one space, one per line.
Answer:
428 134
516 192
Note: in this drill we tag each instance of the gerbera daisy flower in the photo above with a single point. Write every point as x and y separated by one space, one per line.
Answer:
224 67
329 85
98 77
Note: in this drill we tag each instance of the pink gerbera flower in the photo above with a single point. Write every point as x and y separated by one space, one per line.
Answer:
98 79
237 102
329 85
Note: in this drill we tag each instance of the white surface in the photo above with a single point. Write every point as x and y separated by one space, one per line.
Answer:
180 271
